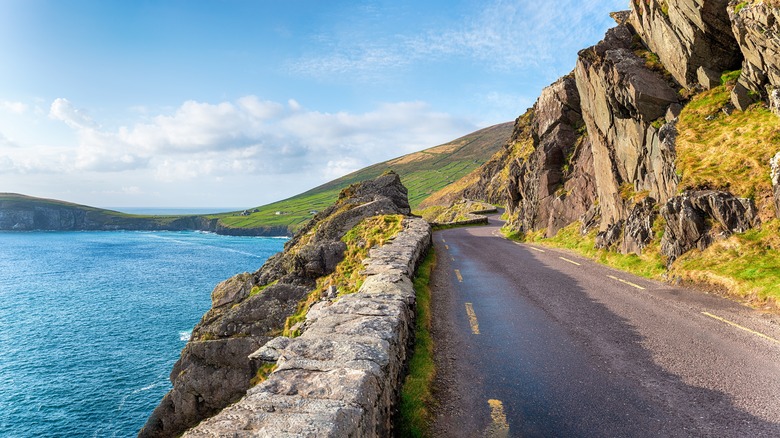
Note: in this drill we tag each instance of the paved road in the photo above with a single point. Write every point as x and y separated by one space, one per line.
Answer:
533 341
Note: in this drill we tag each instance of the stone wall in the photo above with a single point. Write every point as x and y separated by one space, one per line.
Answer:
341 377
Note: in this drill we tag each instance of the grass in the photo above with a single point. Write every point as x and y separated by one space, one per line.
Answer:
519 148
460 211
649 265
416 393
422 173
746 265
727 152
348 275
262 373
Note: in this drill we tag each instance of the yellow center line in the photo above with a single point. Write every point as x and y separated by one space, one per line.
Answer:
443 241
499 428
452 258
472 318
570 261
460 277
734 324
537 249
626 282
447 246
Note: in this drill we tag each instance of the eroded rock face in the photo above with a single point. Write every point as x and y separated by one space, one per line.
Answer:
697 218
214 369
638 231
621 98
757 32
692 38
553 186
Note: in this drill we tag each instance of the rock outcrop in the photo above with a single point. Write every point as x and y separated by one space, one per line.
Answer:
214 369
621 100
692 38
755 25
553 185
342 376
695 219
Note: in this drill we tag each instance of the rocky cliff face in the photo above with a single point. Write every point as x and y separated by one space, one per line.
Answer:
623 101
692 38
599 145
248 310
757 32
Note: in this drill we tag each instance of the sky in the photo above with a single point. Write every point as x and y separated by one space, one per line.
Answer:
234 104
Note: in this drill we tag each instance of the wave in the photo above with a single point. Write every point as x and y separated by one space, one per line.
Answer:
185 336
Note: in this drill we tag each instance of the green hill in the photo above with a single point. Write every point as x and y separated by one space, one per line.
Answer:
421 172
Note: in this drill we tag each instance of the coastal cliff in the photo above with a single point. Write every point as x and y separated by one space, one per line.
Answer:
320 263
27 213
660 141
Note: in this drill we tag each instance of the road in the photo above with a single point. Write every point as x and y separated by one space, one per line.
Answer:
533 341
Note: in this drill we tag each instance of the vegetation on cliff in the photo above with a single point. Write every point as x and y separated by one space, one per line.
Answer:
421 172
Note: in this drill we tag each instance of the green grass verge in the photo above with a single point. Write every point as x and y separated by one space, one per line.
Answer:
746 264
416 393
649 265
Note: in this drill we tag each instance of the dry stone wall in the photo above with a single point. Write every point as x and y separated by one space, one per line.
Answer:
341 377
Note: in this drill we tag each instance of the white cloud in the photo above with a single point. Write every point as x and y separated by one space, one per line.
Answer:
6 142
250 136
500 34
14 107
61 109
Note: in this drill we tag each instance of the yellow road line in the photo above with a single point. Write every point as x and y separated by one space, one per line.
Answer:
734 324
460 277
499 428
452 258
472 319
537 249
570 261
447 246
626 282
443 241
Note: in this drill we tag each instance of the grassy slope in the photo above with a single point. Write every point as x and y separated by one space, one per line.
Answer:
422 173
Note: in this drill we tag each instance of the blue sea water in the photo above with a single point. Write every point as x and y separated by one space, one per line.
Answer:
92 322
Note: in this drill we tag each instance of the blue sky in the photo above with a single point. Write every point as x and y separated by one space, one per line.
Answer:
232 103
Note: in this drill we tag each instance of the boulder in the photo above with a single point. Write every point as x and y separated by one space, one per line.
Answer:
697 218
638 231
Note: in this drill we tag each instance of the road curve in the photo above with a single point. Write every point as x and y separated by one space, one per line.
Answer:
532 341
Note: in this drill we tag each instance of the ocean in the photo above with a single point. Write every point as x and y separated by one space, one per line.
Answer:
91 323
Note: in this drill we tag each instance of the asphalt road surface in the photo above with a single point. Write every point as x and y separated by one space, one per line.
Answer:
532 341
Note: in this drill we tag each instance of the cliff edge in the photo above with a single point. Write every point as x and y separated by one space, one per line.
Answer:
321 262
